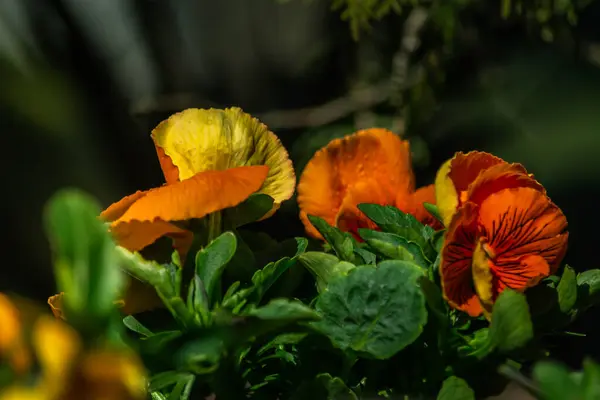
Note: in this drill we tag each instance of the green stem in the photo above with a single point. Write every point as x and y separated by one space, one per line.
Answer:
215 226
519 378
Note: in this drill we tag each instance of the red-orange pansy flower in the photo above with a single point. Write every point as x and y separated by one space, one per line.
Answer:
502 231
370 166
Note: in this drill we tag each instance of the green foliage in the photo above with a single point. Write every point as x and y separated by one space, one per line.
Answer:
359 13
377 323
456 389
392 220
324 267
557 382
374 312
84 258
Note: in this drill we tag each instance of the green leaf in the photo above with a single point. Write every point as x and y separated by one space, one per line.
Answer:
455 388
136 326
588 288
201 356
244 262
254 208
511 326
284 310
211 262
368 257
183 388
433 210
324 267
437 240
392 220
590 382
262 280
336 388
567 290
165 379
374 311
434 299
84 256
394 246
324 387
555 381
341 242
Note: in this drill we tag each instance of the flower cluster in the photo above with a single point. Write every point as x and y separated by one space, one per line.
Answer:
397 256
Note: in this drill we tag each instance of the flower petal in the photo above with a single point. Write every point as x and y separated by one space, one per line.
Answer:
349 217
373 155
499 177
413 204
170 171
12 345
110 374
455 176
526 234
56 345
202 194
197 140
455 265
135 235
117 209
56 305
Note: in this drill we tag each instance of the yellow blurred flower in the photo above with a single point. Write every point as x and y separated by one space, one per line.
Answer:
68 371
12 347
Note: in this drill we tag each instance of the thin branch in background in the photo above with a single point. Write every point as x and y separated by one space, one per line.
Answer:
310 117
409 43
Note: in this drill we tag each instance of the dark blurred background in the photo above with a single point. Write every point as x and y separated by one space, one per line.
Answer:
83 82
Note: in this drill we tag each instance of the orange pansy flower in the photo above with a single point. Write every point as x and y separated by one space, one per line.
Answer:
370 166
504 231
212 160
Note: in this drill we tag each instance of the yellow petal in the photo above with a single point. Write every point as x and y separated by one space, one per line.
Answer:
12 345
455 176
446 197
11 325
56 345
111 375
482 276
198 140
24 393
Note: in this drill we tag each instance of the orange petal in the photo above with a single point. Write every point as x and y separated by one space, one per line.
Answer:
196 140
55 303
499 177
455 266
465 168
454 177
116 210
202 194
135 235
526 234
376 155
413 204
349 217
170 171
